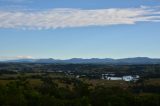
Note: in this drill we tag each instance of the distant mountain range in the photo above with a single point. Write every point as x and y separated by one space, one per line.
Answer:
136 60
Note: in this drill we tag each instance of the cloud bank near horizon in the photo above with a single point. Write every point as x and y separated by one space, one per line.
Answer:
15 57
65 17
15 1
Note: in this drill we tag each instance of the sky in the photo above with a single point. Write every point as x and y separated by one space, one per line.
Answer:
63 29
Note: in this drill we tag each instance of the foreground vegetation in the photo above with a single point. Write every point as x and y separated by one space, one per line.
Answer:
75 92
52 85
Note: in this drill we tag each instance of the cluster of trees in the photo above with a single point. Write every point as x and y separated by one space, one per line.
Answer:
75 93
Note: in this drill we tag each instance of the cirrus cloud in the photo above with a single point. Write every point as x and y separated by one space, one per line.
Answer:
64 17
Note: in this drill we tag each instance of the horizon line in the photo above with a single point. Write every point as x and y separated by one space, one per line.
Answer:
81 58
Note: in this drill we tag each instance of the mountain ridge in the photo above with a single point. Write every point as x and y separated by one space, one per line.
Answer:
134 60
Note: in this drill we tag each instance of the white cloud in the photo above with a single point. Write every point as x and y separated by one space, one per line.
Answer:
6 51
62 18
15 1
15 57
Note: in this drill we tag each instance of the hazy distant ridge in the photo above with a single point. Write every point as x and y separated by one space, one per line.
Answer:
136 60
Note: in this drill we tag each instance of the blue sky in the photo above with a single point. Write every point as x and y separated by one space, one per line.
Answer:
63 29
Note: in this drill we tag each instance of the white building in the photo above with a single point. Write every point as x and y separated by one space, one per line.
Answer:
114 78
124 78
127 78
